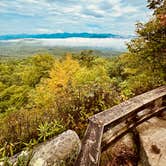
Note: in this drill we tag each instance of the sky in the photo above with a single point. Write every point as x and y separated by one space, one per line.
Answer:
58 16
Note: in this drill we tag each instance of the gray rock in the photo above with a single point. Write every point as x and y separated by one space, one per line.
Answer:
153 142
59 151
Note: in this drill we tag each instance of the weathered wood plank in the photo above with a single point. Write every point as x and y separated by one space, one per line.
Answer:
117 112
90 151
111 137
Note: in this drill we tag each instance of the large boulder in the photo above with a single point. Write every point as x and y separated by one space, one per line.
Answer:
61 150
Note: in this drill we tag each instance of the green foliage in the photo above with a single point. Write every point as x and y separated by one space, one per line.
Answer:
31 144
6 161
49 129
24 158
13 98
148 51
156 4
86 58
44 131
18 77
7 149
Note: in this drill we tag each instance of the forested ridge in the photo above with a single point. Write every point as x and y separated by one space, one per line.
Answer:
42 95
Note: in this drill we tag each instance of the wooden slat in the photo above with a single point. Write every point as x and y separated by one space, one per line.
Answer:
116 135
117 112
90 151
107 141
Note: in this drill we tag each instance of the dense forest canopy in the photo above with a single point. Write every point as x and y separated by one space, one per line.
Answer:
41 95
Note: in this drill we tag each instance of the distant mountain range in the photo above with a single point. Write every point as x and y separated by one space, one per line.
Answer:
62 36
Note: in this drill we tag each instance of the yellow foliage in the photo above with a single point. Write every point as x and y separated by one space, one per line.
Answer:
65 76
62 73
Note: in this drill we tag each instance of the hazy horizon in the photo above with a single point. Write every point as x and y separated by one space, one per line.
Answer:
103 43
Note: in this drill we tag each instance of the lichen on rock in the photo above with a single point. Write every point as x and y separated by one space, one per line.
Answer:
59 151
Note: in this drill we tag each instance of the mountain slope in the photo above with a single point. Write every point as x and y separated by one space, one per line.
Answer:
60 35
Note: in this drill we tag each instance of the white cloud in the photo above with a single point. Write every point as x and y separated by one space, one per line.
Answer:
31 1
46 30
72 15
118 44
114 2
119 11
43 30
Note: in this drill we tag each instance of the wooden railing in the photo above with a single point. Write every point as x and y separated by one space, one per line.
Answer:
105 127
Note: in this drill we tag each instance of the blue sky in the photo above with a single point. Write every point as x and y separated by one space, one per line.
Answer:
54 16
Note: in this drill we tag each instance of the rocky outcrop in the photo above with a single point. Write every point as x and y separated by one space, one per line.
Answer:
149 145
146 145
59 151
122 152
153 142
